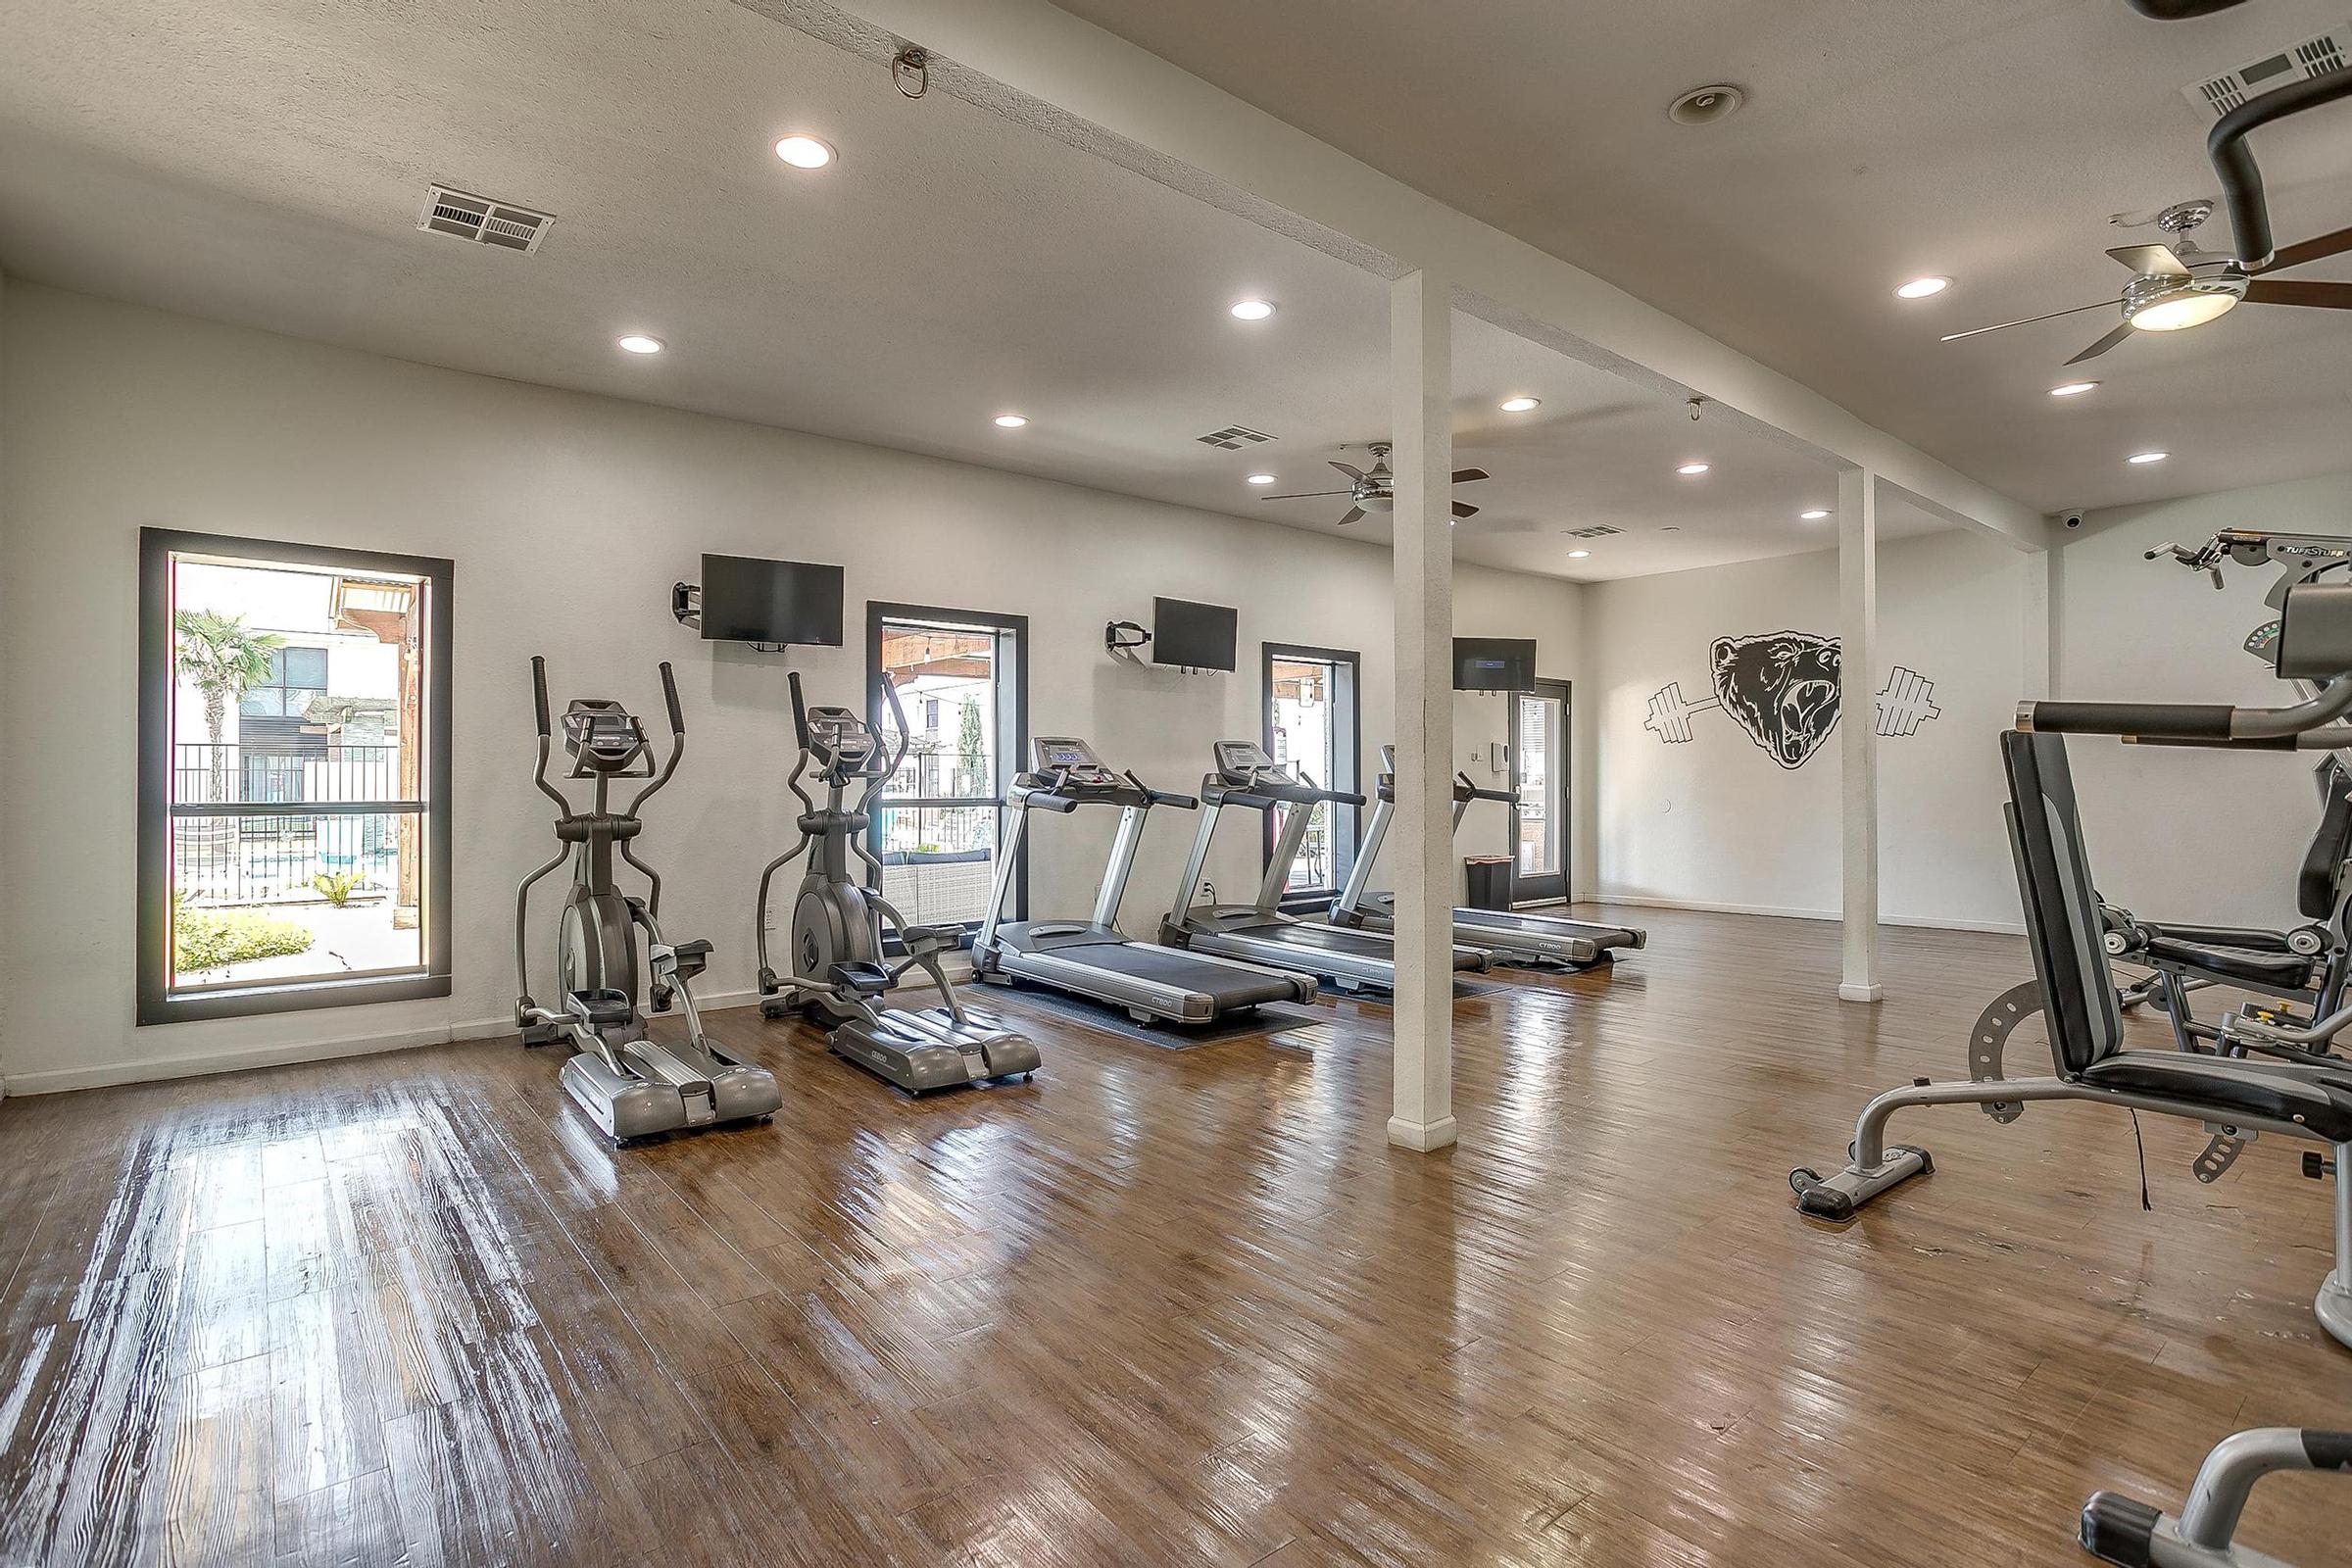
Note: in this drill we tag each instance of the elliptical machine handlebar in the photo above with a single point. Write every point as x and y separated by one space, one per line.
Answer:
545 739
800 712
677 749
669 696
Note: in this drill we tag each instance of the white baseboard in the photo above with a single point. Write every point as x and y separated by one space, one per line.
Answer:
279 1054
1645 901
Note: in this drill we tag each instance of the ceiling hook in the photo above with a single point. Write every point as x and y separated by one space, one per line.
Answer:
912 65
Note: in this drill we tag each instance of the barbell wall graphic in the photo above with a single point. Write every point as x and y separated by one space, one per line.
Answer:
1904 704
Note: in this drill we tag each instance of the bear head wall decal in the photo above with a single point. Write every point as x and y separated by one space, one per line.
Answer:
1782 688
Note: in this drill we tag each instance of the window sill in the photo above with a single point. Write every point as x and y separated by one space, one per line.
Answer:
247 1001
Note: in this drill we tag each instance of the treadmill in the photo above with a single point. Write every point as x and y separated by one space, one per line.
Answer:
1349 959
1090 957
1511 937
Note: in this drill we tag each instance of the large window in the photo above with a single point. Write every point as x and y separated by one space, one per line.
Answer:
293 776
938 819
1312 721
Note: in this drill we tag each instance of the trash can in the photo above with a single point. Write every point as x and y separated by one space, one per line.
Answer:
1490 879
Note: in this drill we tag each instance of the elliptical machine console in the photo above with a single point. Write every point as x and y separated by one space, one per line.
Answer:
632 1085
839 969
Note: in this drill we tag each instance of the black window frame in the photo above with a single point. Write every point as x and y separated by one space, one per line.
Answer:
1347 747
1012 758
158 1002
1565 693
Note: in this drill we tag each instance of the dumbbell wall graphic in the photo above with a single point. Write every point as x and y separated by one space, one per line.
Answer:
1782 689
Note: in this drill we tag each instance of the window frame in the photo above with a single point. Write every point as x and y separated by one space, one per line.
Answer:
1562 692
1013 751
1347 747
157 1002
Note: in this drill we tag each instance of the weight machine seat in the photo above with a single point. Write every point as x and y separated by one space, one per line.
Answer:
2318 1099
2289 970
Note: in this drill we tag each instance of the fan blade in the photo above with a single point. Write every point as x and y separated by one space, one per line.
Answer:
1350 469
2150 261
1306 495
2281 291
2121 331
2312 250
1355 514
1466 475
1463 509
2028 321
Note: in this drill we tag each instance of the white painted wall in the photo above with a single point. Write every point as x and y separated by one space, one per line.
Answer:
569 517
1717 822
2181 833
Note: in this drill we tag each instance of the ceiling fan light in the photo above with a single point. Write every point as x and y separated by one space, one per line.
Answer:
2188 307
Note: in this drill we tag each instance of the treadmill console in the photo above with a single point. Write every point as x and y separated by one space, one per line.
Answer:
1074 761
1243 761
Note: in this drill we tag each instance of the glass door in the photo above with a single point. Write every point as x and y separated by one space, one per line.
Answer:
1311 724
1540 774
938 819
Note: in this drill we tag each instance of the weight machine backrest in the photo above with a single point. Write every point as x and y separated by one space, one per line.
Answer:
2062 911
2330 845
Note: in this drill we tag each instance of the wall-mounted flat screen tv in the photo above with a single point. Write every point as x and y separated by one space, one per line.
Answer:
1493 664
1197 636
745 599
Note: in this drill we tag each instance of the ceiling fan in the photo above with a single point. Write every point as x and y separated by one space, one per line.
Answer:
2178 286
1376 490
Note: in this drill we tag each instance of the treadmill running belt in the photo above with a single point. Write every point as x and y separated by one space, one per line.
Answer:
1320 939
1172 966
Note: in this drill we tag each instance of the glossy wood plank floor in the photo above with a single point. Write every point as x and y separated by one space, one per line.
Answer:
1161 1306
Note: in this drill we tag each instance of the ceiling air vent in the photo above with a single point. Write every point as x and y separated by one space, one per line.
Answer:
1599 530
2319 56
483 220
1233 437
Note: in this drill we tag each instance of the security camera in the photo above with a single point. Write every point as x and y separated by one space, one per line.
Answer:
2072 519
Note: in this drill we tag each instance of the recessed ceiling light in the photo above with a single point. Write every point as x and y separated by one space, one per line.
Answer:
1261 478
1704 106
1520 405
1692 467
1578 555
804 151
1815 516
1919 288
1253 310
639 343
2073 389
2147 457
1012 421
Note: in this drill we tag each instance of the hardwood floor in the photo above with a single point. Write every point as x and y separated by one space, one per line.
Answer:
1161 1306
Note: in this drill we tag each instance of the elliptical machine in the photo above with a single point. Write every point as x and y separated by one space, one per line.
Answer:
839 968
633 1086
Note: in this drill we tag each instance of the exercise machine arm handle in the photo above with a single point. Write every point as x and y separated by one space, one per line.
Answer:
2234 162
2195 723
800 712
1183 802
677 751
670 695
546 740
1472 792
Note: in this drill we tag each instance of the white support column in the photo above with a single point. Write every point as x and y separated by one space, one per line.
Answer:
1858 750
2037 662
1421 417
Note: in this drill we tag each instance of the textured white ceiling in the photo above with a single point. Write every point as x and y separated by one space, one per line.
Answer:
263 162
1989 140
